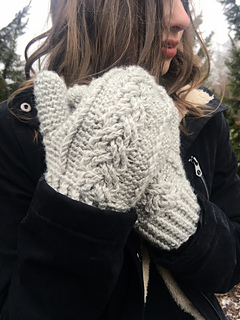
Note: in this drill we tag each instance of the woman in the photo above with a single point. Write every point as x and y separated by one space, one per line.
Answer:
106 211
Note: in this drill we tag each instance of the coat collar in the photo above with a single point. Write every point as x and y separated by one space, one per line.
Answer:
195 125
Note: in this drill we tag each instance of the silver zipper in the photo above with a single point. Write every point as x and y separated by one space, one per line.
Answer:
198 172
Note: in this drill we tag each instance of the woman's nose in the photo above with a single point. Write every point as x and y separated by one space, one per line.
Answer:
179 19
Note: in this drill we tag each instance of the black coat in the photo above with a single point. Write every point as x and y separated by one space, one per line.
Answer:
62 259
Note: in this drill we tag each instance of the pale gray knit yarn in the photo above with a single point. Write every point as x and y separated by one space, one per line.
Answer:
115 144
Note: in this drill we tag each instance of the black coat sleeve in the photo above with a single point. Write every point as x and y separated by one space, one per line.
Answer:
59 258
70 255
210 260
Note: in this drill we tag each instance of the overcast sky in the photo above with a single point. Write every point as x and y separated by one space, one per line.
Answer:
212 14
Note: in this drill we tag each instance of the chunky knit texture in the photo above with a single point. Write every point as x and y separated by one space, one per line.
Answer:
115 144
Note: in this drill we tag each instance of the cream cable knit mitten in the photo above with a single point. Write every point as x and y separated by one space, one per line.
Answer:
115 144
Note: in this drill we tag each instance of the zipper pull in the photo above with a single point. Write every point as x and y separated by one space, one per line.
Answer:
198 170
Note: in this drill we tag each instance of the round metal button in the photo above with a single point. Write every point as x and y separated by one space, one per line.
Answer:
25 107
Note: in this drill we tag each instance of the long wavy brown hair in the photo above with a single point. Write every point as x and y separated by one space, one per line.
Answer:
88 37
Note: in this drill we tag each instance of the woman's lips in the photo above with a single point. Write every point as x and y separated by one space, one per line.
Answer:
169 52
169 48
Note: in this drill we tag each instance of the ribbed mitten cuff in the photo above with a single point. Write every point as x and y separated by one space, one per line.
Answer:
168 213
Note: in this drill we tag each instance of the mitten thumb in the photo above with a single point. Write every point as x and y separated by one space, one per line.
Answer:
51 101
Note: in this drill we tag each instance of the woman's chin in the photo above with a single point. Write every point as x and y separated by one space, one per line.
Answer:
166 66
